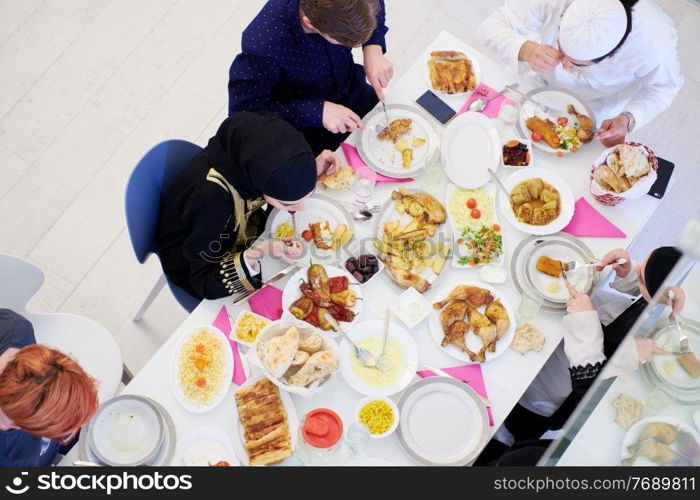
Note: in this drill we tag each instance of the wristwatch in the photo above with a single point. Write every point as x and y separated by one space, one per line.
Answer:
632 121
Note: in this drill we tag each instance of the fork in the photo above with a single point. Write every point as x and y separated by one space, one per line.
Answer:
570 266
543 107
682 337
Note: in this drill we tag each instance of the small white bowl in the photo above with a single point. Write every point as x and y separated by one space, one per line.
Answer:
527 142
410 294
394 408
234 327
381 267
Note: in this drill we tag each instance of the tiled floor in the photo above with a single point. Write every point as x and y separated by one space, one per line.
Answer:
89 85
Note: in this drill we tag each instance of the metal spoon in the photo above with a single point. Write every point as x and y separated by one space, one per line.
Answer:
365 357
361 215
383 363
478 105
503 188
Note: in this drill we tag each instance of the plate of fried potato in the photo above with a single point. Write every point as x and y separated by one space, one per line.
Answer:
413 239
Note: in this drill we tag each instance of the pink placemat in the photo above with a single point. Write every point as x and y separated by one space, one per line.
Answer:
492 107
587 221
267 303
472 375
354 160
223 323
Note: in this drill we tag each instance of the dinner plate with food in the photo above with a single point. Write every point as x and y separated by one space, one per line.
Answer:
295 356
623 172
661 440
267 426
205 447
401 353
478 240
471 147
536 267
540 202
315 292
452 72
325 226
678 374
201 368
401 147
569 125
413 240
443 422
472 322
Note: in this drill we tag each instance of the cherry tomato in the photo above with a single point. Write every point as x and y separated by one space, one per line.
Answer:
562 120
536 136
496 227
471 203
560 153
476 214
308 235
573 149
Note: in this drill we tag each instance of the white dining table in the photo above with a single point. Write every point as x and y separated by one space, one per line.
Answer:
506 377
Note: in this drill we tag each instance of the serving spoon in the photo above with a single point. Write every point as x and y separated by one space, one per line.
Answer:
478 105
383 363
365 357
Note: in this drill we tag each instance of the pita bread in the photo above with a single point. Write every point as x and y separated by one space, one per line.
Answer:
629 410
278 353
342 179
527 339
319 366
633 162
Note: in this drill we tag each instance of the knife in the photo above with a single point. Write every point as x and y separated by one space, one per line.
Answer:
439 372
284 272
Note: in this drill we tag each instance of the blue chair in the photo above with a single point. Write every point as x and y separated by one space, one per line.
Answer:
148 182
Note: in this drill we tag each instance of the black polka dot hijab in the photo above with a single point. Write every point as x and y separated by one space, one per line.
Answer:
260 153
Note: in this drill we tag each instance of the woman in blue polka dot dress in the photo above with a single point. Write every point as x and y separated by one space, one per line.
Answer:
296 61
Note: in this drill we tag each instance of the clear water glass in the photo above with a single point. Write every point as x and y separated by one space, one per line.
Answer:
508 114
363 187
530 303
356 438
434 169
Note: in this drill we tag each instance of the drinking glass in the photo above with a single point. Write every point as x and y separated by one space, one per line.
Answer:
508 115
356 438
434 168
363 187
530 303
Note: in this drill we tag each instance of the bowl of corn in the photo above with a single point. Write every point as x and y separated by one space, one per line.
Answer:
379 415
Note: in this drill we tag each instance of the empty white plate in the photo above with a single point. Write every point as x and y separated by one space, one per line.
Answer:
471 147
442 422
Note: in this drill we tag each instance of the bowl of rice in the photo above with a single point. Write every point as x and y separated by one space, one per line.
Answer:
379 415
201 368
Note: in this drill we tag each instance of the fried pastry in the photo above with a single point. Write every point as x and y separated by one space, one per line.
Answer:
451 72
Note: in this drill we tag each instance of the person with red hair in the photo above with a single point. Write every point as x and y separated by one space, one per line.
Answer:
45 396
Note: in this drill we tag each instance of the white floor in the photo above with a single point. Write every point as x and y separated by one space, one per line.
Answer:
88 86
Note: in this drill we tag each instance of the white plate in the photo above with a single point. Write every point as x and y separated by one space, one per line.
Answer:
566 200
443 234
475 68
556 98
471 147
126 431
291 292
678 377
580 278
234 328
375 329
292 423
213 444
382 156
442 422
317 209
461 250
225 379
634 432
473 341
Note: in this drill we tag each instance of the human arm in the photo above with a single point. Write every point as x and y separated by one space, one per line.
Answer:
378 68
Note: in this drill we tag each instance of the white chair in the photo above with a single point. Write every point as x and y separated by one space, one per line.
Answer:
83 339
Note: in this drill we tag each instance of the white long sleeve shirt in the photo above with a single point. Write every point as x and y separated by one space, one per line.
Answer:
643 77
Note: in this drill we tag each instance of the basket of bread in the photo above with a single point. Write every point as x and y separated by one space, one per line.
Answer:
623 172
296 356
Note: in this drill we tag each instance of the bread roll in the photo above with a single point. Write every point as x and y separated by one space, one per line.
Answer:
319 366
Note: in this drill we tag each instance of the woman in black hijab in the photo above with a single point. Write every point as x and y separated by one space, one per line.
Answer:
213 211
589 342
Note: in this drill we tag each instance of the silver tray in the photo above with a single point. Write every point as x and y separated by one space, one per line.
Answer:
683 395
524 132
521 259
167 449
484 432
433 141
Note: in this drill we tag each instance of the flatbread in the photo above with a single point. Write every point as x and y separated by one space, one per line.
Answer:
629 410
527 338
278 353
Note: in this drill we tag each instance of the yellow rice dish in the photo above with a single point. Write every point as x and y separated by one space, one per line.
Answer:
461 213
201 367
